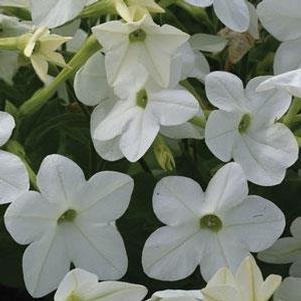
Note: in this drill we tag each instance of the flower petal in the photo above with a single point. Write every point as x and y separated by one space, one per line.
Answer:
7 124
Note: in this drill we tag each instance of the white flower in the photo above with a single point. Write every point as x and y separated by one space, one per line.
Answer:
41 49
286 250
246 285
214 229
129 44
139 112
53 13
70 220
290 290
79 285
177 295
245 128
14 179
288 81
233 13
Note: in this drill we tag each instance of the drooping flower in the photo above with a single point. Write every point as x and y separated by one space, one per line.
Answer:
214 229
70 220
245 128
286 250
41 49
177 295
233 13
80 285
290 290
141 109
127 45
14 179
247 284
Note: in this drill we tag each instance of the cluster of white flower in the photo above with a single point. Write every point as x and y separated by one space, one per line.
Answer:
134 74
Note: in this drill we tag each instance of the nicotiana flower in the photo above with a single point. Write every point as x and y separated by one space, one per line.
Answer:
14 179
92 89
286 250
134 10
141 109
247 284
41 49
127 45
53 13
245 128
177 295
290 290
214 229
80 285
70 220
233 13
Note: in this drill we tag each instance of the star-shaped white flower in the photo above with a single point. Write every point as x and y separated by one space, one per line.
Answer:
127 45
41 49
290 290
233 13
14 179
80 285
70 220
214 229
245 128
246 285
141 109
286 250
177 295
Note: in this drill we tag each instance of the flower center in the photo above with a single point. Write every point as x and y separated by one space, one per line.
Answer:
138 35
73 297
244 123
142 98
211 222
68 216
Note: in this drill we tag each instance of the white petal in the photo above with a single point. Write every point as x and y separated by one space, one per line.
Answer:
7 124
52 13
256 222
296 228
183 131
14 179
177 295
139 135
173 107
270 11
225 91
97 247
266 106
227 188
221 133
295 269
233 13
264 155
221 293
207 42
90 82
173 253
177 200
290 290
59 179
202 3
105 197
29 217
287 57
45 263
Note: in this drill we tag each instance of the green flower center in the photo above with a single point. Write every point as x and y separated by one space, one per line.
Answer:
138 35
73 297
211 222
142 98
68 216
244 123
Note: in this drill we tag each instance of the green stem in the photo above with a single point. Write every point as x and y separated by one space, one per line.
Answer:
41 96
294 109
9 43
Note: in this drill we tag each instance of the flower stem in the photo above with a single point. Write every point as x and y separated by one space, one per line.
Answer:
41 96
294 109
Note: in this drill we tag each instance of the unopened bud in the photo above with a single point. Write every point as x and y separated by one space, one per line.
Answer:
163 154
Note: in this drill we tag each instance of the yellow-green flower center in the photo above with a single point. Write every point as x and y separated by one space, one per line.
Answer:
67 216
142 98
244 123
138 35
73 297
211 222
